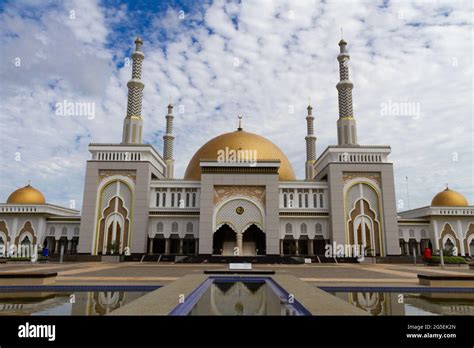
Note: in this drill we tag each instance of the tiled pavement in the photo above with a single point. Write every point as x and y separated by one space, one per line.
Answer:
152 273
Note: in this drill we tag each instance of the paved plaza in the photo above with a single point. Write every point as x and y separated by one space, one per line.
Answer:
134 273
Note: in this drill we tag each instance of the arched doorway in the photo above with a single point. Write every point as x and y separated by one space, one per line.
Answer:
224 241
253 241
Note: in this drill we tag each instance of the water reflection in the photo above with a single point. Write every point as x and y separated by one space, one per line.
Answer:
240 298
78 303
380 303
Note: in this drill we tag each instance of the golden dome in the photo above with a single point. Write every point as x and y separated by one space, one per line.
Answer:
244 141
26 195
449 198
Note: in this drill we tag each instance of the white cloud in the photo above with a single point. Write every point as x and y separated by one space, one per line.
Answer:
418 52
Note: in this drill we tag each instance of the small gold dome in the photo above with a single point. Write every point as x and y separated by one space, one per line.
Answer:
449 198
26 195
263 149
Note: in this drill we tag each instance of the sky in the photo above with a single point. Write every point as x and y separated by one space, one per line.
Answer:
411 65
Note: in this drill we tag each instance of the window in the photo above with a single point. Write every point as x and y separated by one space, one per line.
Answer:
194 199
187 199
300 200
52 231
315 200
321 200
423 233
172 199
174 227
412 233
157 199
291 203
76 231
306 202
64 231
159 227
285 200
319 228
189 227
179 201
163 204
304 228
288 228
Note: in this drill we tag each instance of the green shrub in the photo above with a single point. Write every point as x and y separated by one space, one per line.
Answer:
455 260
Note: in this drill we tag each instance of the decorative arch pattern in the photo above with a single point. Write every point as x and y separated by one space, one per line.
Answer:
26 229
449 232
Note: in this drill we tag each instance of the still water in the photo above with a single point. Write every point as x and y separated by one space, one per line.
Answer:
384 303
64 303
243 298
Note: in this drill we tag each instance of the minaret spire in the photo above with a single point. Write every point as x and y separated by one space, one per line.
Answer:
310 144
133 122
240 123
346 125
168 140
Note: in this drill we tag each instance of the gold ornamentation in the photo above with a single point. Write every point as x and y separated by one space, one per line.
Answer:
222 193
348 176
240 210
131 174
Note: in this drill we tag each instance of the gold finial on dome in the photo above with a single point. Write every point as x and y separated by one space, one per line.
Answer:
449 198
26 195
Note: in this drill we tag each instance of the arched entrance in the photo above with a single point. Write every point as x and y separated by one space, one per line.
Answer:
253 241
224 241
240 224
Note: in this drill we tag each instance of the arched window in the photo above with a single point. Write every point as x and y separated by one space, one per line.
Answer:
412 233
300 200
194 199
163 204
52 231
285 200
400 232
76 231
64 231
174 227
291 202
159 227
306 201
187 199
172 199
288 228
315 200
179 200
304 228
189 227
321 200
423 233
158 199
319 228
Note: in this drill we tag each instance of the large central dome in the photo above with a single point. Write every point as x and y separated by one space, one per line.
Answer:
239 140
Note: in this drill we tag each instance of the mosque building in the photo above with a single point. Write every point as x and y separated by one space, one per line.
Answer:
239 196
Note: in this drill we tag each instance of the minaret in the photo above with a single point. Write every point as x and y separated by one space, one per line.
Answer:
310 144
168 140
133 122
346 125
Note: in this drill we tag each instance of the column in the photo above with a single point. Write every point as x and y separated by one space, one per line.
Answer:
239 243
181 245
281 247
297 251
167 246
310 246
69 246
150 245
196 247
57 246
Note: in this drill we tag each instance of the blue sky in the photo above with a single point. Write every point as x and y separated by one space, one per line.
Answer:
415 53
